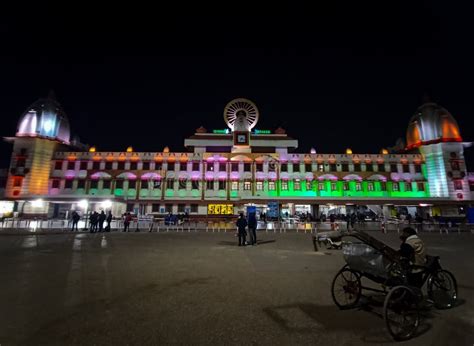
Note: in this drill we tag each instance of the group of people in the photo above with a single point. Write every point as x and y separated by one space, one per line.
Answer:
96 221
242 225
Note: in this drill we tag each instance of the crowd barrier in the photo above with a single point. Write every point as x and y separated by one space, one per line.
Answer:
229 226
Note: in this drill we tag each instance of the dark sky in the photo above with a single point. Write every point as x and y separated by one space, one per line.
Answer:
334 77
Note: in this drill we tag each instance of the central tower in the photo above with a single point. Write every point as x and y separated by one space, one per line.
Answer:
241 116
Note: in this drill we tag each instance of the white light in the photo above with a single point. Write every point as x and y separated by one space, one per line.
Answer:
83 204
5 207
38 203
107 204
48 125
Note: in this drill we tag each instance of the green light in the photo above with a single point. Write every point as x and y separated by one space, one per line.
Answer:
221 132
262 132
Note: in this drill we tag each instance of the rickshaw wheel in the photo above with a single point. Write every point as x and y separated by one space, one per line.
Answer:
401 313
346 288
442 289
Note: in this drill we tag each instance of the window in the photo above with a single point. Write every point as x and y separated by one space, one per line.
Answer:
333 186
23 151
332 167
284 167
195 166
296 167
106 184
247 185
395 186
370 186
247 167
71 165
358 186
83 165
406 168
235 185
284 185
119 184
271 185
155 208
146 165
345 167
417 168
345 186
183 166
158 166
222 167
170 166
458 184
58 165
133 165
169 208
183 184
121 165
321 186
369 167
297 185
132 184
169 184
222 185
408 186
181 208
471 186
259 167
259 185
68 184
393 167
308 167
195 185
210 185
157 184
420 186
235 167
94 184
383 186
81 184
54 185
130 207
96 165
210 166
454 165
381 167
309 185
321 168
194 208
108 165
356 167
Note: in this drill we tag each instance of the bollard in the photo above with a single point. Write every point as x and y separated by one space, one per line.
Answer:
315 243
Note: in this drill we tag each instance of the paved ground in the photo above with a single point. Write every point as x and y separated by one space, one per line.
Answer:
200 288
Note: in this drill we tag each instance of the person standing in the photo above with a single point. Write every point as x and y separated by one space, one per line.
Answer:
109 221
252 225
101 221
241 225
75 220
126 222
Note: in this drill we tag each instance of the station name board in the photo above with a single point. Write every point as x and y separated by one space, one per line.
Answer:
220 209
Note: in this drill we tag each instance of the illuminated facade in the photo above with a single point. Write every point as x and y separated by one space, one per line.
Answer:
232 168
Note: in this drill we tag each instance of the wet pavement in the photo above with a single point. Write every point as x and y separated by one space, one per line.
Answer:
201 288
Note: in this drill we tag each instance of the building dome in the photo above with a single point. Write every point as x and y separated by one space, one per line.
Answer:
431 124
45 118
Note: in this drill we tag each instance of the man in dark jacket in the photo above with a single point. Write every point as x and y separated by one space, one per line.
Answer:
241 225
252 224
101 220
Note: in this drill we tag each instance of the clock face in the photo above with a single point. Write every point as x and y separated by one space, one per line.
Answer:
242 138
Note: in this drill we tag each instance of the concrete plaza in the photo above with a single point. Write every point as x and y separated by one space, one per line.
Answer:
201 288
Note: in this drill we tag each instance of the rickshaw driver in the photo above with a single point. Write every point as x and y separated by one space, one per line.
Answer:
412 249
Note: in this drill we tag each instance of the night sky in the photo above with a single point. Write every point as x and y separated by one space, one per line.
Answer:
334 77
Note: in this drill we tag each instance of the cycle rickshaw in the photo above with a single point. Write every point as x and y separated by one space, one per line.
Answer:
369 259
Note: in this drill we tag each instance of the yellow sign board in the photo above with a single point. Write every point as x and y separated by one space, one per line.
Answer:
220 209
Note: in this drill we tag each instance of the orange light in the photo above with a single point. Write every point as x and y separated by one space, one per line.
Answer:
92 149
129 149
166 150
348 151
384 152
